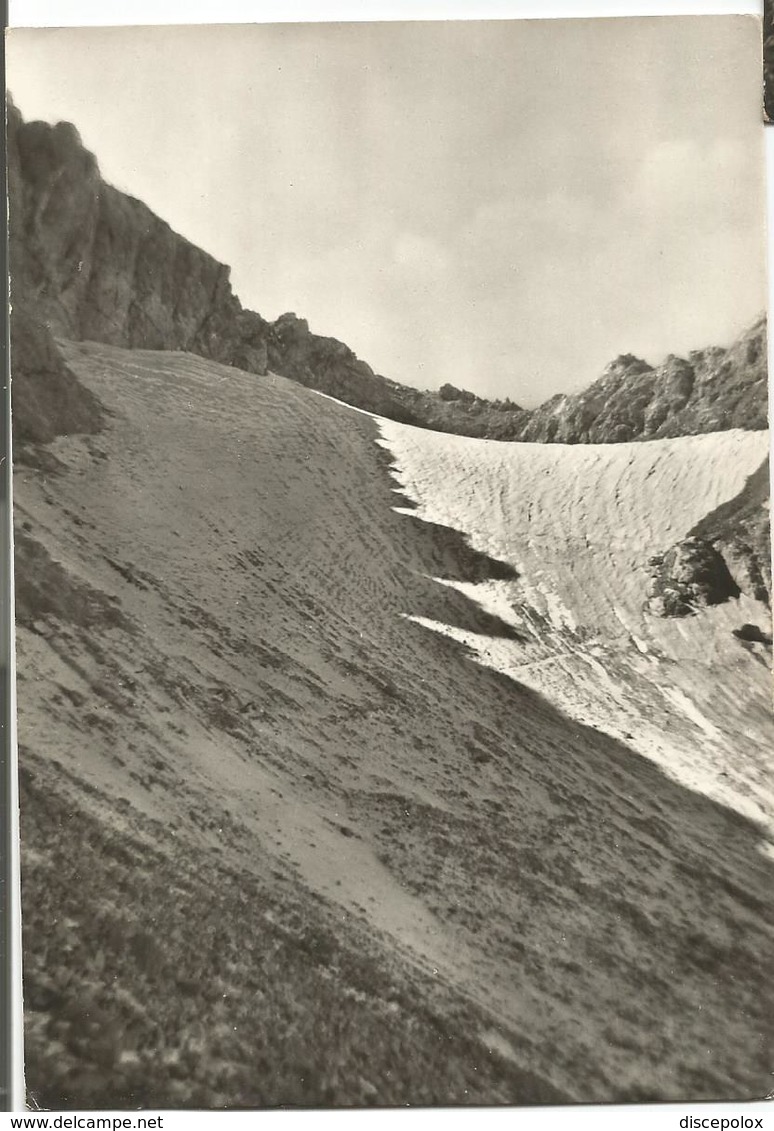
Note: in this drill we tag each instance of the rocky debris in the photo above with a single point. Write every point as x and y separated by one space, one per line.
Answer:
48 399
753 634
91 262
740 531
689 576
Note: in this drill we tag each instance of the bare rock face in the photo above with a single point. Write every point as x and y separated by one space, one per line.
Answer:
97 264
740 531
727 553
689 576
709 391
331 367
48 399
768 61
91 262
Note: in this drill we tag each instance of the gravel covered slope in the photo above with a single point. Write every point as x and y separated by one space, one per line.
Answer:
223 687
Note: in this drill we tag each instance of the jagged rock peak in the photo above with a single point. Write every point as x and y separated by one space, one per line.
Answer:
626 365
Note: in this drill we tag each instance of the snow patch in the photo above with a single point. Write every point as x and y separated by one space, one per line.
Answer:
578 524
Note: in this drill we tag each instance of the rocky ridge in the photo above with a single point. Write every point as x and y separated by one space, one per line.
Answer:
709 391
89 262
93 263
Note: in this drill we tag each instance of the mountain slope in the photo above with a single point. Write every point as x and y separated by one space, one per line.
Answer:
380 716
93 263
231 718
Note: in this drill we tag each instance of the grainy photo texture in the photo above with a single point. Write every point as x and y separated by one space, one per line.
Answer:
392 603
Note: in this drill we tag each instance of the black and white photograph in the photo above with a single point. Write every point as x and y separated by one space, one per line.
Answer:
392 563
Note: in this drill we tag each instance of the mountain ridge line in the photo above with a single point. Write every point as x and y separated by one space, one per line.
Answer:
95 263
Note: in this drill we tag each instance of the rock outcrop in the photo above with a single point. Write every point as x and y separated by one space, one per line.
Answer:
768 61
709 391
740 531
94 263
91 262
48 400
688 577
331 367
727 553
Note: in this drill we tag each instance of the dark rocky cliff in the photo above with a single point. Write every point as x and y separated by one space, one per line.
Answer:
91 262
689 576
94 263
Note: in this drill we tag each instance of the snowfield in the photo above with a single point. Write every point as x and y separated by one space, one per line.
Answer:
578 523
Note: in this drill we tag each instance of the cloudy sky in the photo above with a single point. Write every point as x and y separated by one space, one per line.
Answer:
505 205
